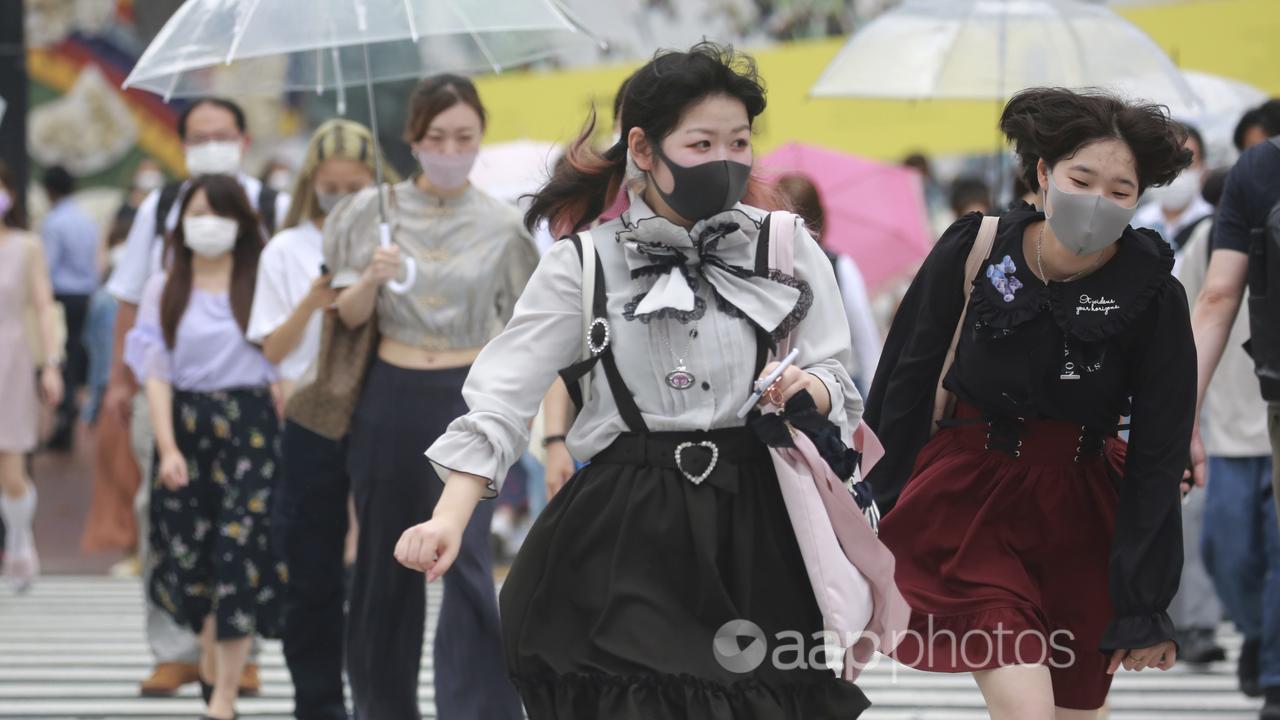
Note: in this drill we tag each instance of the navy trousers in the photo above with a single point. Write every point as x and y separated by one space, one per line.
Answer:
400 413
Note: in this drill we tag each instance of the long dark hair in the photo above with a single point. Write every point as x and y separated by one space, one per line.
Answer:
227 199
657 96
1053 123
16 216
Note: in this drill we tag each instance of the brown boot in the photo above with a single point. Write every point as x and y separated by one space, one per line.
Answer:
167 678
250 683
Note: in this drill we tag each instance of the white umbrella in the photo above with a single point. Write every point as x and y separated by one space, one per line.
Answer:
990 49
326 44
508 170
1222 101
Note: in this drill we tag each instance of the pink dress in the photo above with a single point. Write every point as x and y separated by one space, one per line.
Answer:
17 371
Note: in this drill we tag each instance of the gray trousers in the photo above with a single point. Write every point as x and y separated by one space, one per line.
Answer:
169 641
1196 606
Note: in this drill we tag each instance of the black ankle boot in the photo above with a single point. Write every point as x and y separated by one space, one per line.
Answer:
1271 710
1248 668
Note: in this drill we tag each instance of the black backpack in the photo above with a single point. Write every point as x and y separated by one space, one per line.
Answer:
170 193
1264 306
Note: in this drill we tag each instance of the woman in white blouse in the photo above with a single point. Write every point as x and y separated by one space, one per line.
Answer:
309 520
676 528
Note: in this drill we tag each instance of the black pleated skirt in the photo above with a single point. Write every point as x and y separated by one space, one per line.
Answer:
622 602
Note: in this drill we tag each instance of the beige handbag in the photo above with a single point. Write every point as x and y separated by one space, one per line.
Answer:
944 402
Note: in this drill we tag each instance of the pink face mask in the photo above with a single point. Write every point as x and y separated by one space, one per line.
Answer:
6 202
447 172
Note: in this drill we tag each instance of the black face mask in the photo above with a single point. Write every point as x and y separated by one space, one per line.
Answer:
701 191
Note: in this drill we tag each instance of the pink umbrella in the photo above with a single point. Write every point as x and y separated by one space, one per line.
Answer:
874 212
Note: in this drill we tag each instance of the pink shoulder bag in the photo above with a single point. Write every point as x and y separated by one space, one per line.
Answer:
850 570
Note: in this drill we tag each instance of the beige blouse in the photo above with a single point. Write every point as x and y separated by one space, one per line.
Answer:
508 380
472 252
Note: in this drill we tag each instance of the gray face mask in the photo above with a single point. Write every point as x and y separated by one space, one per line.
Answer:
1084 222
328 201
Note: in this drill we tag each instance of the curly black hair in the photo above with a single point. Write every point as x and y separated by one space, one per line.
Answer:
1054 123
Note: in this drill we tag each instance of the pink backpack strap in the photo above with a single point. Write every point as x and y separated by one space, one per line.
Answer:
782 256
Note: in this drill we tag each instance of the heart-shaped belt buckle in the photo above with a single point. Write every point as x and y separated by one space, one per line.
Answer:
715 457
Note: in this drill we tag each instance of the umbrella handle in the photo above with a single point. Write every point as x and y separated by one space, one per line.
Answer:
398 287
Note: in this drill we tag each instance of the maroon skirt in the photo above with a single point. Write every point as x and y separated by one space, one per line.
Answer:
1002 538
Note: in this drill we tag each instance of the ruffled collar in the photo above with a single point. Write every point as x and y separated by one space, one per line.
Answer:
1100 305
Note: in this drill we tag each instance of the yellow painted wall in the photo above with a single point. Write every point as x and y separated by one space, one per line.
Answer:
1235 38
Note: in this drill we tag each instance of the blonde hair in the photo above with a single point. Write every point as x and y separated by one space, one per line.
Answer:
341 139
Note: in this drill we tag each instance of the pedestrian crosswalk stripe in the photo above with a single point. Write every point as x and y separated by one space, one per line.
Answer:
74 648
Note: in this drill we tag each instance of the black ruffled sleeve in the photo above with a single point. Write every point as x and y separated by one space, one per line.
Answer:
1146 551
899 407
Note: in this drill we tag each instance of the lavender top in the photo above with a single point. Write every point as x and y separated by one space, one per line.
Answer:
210 351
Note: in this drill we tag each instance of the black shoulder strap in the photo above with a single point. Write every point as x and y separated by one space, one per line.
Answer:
600 336
168 196
267 208
762 247
1183 236
763 342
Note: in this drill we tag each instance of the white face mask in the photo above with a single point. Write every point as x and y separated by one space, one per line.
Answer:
209 235
214 158
280 180
1179 194
148 180
447 172
328 201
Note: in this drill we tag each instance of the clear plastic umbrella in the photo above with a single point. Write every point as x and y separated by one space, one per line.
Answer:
990 49
319 45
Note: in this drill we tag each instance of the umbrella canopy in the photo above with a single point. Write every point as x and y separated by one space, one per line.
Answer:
322 42
511 169
874 211
989 49
1224 101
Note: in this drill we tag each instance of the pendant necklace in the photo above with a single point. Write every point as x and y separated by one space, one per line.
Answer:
1040 261
680 378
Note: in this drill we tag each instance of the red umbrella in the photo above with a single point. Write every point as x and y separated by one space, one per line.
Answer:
875 212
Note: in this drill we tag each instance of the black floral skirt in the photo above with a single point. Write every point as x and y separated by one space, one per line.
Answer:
211 539
640 594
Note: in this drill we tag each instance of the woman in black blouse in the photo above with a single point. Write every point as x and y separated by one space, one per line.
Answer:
1028 535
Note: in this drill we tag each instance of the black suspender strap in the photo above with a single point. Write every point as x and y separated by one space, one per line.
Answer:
601 338
763 341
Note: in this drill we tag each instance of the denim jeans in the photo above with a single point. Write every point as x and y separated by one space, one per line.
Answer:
1241 548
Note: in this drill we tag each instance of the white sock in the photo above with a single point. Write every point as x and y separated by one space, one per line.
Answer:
17 514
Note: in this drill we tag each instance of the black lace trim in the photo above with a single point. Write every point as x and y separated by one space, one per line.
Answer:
799 312
1136 281
684 317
